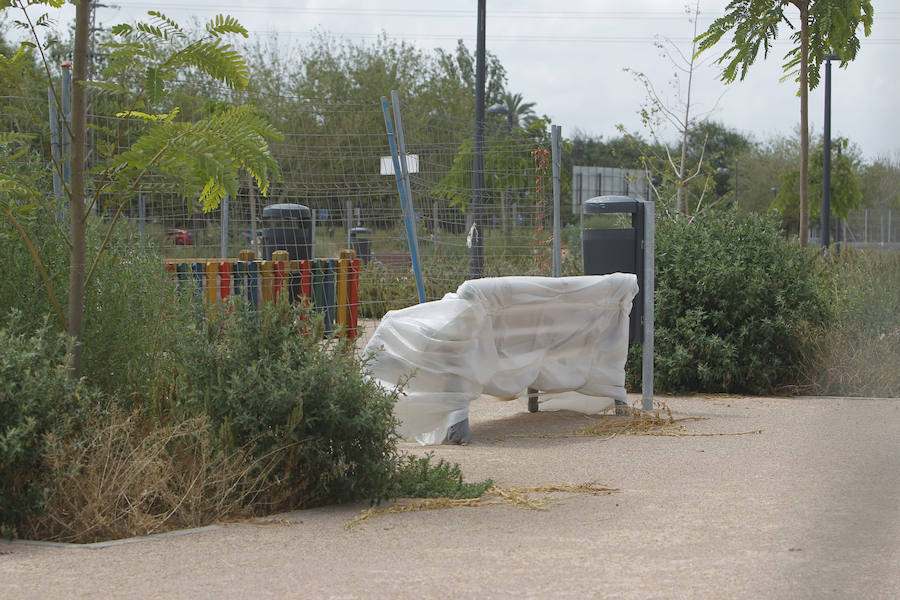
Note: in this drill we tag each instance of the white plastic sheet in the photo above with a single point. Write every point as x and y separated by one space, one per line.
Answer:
499 336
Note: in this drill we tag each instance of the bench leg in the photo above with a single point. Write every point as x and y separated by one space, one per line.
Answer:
532 400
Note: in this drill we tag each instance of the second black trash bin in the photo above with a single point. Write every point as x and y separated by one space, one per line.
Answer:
361 243
287 227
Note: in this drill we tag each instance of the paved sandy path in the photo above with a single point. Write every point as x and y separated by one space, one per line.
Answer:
810 508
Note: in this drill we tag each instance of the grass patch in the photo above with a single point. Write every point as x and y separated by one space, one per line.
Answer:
858 353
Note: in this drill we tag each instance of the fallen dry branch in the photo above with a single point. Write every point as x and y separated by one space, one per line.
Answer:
519 497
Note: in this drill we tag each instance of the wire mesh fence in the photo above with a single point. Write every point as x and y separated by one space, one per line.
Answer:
875 228
330 161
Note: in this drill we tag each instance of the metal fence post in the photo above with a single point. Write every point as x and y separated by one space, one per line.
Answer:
557 242
649 286
66 137
224 236
55 153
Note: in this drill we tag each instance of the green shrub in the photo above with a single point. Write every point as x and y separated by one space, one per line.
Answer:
418 477
37 398
132 318
21 286
131 315
266 379
734 306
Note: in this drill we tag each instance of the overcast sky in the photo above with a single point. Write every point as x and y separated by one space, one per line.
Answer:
569 56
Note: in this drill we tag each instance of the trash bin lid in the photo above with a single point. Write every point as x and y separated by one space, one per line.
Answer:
287 211
601 205
360 231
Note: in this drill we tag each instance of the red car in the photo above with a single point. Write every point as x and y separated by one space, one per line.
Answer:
180 237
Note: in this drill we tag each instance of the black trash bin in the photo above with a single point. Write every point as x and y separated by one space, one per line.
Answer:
287 227
361 243
618 250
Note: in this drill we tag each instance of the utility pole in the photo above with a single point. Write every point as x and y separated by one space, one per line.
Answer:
476 264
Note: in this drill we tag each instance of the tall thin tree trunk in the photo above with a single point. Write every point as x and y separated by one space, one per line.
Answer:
804 123
79 246
681 202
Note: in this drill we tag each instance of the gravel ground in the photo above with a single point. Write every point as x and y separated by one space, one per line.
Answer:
809 508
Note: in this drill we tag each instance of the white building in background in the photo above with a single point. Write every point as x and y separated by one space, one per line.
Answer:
589 182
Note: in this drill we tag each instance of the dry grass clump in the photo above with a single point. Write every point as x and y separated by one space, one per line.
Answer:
854 365
131 477
519 497
632 421
660 421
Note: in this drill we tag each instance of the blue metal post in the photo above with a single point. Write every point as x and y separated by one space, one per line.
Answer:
67 120
404 201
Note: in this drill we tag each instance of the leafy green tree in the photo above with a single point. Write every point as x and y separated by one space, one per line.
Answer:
458 70
845 190
821 27
623 152
879 182
204 156
508 166
325 97
761 166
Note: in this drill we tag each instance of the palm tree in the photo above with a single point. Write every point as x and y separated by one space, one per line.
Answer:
518 113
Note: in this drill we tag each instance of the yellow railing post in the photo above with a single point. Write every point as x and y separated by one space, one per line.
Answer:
211 281
267 275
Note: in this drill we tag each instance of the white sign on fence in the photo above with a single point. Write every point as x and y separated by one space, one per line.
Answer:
412 164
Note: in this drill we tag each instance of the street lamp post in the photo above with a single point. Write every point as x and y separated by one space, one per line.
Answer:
826 167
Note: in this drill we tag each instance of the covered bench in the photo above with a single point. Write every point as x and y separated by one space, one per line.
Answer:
500 336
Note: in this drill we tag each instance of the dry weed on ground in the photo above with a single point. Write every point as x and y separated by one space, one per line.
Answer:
519 497
632 421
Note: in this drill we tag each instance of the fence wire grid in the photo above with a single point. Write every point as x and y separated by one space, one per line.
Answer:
330 161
